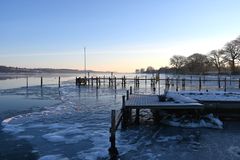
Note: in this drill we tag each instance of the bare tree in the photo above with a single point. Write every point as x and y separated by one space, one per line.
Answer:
197 63
232 54
178 62
217 59
150 69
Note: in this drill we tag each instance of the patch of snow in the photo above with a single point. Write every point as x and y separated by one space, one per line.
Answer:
234 150
208 121
53 157
25 137
169 138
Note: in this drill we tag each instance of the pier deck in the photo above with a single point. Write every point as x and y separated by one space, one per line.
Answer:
152 102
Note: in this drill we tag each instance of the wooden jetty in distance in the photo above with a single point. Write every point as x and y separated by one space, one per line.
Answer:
200 83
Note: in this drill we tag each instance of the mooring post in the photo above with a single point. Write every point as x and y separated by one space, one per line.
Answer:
113 152
219 82
41 81
59 82
92 80
145 80
104 80
191 80
177 84
200 84
76 81
124 114
130 90
183 83
109 81
124 81
99 81
127 94
115 82
225 84
137 116
27 82
239 83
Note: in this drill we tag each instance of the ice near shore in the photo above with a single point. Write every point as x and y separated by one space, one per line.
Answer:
207 121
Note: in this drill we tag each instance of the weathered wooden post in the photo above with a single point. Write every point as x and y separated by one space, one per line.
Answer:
124 114
167 83
113 152
137 116
99 81
76 81
219 82
92 80
239 83
183 83
230 79
59 82
191 80
27 82
41 81
200 84
127 94
177 84
115 82
130 90
109 81
104 80
225 84
122 81
145 80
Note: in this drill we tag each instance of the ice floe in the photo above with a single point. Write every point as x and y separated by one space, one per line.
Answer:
208 121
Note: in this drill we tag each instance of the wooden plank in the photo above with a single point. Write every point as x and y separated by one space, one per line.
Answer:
152 102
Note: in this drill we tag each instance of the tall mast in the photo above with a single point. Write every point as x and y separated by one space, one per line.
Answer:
85 65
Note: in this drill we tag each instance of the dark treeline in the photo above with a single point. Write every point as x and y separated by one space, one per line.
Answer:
222 61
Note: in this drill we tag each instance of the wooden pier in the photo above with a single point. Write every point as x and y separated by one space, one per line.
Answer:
153 102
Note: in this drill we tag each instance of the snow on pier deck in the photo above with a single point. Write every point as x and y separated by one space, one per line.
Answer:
152 102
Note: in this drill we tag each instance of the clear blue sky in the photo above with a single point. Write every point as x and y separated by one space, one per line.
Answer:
120 35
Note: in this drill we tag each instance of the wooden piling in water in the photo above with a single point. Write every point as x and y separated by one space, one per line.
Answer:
130 90
239 83
219 82
137 116
127 94
113 152
124 112
41 81
183 83
200 84
109 81
92 81
59 82
115 82
225 84
177 84
27 82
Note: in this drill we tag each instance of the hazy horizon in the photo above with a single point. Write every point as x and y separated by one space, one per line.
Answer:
120 36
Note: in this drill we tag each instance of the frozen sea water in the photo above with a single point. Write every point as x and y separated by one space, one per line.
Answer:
77 128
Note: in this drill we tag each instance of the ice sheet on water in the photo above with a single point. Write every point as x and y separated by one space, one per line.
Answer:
53 157
211 95
234 150
169 138
208 121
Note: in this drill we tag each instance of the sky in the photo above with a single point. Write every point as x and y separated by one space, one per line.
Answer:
120 35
